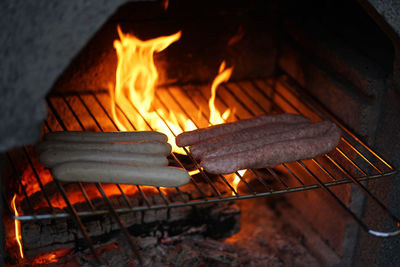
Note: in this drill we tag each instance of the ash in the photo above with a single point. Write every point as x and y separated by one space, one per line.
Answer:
265 239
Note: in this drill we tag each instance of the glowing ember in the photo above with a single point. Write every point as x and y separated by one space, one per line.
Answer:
52 257
75 195
17 227
29 180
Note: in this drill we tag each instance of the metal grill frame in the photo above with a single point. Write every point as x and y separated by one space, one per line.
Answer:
297 97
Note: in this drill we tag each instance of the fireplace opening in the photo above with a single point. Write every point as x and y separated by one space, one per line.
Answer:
284 58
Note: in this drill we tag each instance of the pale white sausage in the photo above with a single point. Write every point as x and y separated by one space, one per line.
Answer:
51 157
99 137
150 147
120 173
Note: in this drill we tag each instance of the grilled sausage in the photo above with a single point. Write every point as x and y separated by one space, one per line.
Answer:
197 136
99 137
200 149
120 173
50 157
149 147
274 153
301 131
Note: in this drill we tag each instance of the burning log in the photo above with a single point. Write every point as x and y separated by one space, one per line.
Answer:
214 220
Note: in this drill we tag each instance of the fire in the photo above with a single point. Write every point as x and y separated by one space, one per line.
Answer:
135 83
136 79
234 179
52 257
17 227
29 180
165 4
223 76
75 195
237 178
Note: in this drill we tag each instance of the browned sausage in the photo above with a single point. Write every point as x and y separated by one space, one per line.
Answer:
301 131
200 149
275 153
197 136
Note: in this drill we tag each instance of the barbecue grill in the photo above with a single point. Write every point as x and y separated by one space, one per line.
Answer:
351 163
288 58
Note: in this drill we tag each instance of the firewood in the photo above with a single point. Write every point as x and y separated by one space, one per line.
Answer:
215 220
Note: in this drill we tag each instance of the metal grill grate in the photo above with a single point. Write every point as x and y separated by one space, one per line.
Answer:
351 162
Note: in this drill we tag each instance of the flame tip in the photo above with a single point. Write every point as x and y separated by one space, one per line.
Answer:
17 224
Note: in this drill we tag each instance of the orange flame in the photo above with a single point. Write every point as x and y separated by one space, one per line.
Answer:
216 117
165 4
237 37
136 72
136 79
234 179
17 227
223 76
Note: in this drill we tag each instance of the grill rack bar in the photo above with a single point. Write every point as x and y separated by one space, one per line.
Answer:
235 90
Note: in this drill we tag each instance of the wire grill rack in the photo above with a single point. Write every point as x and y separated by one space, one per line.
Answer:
351 163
